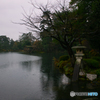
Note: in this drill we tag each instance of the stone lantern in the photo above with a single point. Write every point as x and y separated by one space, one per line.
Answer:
78 68
79 53
78 65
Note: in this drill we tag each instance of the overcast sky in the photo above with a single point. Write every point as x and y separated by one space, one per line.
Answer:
11 10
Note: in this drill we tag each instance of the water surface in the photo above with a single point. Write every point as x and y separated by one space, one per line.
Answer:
26 77
31 77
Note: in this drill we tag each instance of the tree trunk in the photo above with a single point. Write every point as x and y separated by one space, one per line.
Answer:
72 56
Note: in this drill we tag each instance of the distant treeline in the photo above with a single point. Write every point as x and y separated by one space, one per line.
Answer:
28 43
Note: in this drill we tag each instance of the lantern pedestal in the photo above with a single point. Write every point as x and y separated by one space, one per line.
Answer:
78 65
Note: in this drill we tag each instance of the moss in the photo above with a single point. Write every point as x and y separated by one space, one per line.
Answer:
82 78
91 63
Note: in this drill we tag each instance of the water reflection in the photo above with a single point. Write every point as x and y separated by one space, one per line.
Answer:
12 58
29 65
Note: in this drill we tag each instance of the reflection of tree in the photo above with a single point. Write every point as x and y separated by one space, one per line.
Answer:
28 65
50 76
63 93
51 80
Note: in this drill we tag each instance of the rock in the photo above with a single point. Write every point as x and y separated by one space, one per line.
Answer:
91 76
81 73
65 80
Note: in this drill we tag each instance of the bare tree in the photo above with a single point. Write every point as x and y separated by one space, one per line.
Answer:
56 22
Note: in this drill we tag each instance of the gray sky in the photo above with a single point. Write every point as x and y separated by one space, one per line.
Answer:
11 10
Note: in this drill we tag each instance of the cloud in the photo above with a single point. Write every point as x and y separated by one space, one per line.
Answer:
11 10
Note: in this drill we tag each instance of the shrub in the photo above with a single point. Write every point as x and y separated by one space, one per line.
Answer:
63 58
55 62
97 71
91 63
94 52
61 64
96 58
68 70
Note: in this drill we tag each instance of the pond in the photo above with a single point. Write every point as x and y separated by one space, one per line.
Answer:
31 77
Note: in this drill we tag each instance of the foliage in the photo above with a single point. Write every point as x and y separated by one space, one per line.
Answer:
91 63
56 61
68 70
46 43
28 44
97 71
37 46
11 44
15 46
86 43
4 43
94 52
59 64
95 43
96 58
92 66
63 58
63 64
89 11
26 39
